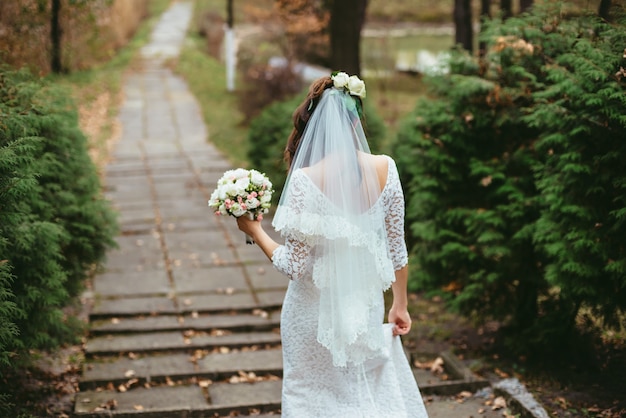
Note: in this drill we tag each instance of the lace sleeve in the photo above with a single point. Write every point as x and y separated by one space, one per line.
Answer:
292 259
394 218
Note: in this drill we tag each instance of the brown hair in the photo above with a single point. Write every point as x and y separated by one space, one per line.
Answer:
302 114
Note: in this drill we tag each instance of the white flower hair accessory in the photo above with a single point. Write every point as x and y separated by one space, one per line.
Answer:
352 85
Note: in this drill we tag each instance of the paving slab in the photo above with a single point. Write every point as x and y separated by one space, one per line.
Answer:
149 341
187 224
261 321
177 366
133 306
138 324
146 369
244 395
199 241
235 340
264 320
171 341
135 262
132 283
166 401
473 407
217 302
264 276
210 279
258 361
142 245
271 298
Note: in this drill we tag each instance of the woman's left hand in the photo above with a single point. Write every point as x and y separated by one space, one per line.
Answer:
401 319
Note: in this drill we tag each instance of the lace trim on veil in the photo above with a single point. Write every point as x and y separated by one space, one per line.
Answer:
348 325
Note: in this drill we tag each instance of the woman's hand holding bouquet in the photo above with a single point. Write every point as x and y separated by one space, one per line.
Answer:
242 192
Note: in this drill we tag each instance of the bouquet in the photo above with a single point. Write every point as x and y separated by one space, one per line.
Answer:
242 192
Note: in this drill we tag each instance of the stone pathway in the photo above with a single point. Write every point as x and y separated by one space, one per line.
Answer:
185 321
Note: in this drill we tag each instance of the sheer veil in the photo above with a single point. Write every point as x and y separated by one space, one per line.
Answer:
330 204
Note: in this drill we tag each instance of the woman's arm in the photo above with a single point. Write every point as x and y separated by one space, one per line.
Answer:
258 234
399 314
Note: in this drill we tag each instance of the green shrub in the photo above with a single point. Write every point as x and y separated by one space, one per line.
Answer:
54 225
516 197
270 130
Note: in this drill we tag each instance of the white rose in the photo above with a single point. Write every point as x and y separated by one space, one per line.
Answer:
232 190
340 80
222 192
223 210
252 203
266 197
242 184
227 177
236 210
240 173
356 86
213 200
256 178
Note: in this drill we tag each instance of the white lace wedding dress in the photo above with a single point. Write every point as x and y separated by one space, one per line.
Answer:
312 385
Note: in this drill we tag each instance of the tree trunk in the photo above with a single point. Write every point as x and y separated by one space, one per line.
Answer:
346 21
55 37
485 14
604 10
524 5
463 24
507 8
230 15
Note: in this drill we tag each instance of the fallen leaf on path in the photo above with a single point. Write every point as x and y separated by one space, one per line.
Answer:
205 383
138 407
219 332
498 403
260 312
437 366
129 373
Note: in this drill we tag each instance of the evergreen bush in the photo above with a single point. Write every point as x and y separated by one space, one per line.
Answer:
270 130
54 225
516 198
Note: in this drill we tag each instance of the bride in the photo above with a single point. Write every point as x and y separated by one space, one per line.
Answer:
341 215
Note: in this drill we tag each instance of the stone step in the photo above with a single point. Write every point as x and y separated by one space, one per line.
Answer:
259 320
179 366
174 341
181 401
188 305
